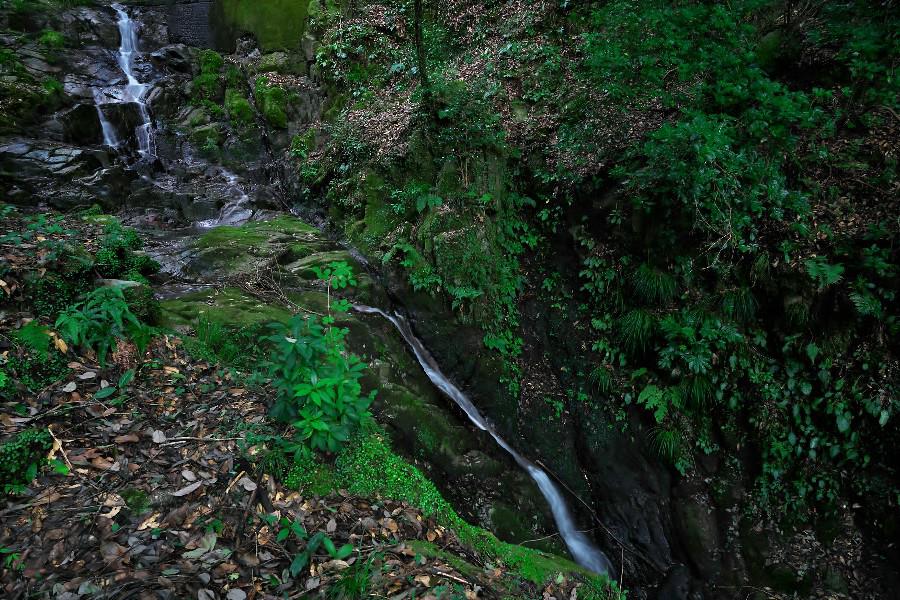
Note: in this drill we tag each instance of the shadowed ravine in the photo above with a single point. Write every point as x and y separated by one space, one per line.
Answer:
583 550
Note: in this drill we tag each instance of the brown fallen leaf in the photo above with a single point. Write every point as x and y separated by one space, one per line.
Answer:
128 438
187 489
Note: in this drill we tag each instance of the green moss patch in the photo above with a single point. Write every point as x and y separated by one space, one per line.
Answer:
228 305
368 467
275 23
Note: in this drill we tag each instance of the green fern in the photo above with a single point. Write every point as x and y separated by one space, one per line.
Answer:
654 286
739 304
636 329
666 443
33 336
698 390
866 304
101 319
823 272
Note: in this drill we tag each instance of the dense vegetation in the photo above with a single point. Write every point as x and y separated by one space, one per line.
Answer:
674 223
720 178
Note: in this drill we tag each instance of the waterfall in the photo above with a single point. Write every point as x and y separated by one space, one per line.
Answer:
133 92
583 550
235 211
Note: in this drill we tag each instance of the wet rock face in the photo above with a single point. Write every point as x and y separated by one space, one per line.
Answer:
125 119
81 125
64 176
189 23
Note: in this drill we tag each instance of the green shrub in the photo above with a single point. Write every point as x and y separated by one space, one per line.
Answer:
272 102
101 319
319 393
49 293
317 380
22 458
117 258
238 107
52 40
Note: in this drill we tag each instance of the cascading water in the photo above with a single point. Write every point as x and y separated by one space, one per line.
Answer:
237 210
133 92
583 550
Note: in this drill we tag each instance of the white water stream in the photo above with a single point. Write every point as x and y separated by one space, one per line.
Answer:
133 92
583 550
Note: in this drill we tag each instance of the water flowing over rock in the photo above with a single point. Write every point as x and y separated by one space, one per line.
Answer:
583 550
117 132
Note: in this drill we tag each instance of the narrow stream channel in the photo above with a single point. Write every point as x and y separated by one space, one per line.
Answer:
583 550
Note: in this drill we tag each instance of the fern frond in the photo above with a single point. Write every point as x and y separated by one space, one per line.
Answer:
740 305
697 389
636 329
666 443
33 336
654 286
866 305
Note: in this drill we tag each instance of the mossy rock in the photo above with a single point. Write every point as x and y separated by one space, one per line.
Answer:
207 134
277 24
229 305
233 250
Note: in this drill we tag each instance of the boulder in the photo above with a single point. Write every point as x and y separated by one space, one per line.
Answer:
81 125
176 57
125 119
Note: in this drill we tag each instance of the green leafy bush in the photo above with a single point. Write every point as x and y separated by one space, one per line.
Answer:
117 257
238 107
272 102
317 380
100 320
319 393
22 458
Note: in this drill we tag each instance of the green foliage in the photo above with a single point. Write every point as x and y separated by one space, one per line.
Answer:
238 108
636 329
51 40
272 102
117 257
653 286
101 319
22 458
34 337
319 393
294 533
355 581
35 372
823 273
52 292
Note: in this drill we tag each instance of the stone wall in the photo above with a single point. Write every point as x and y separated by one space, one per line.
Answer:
189 22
